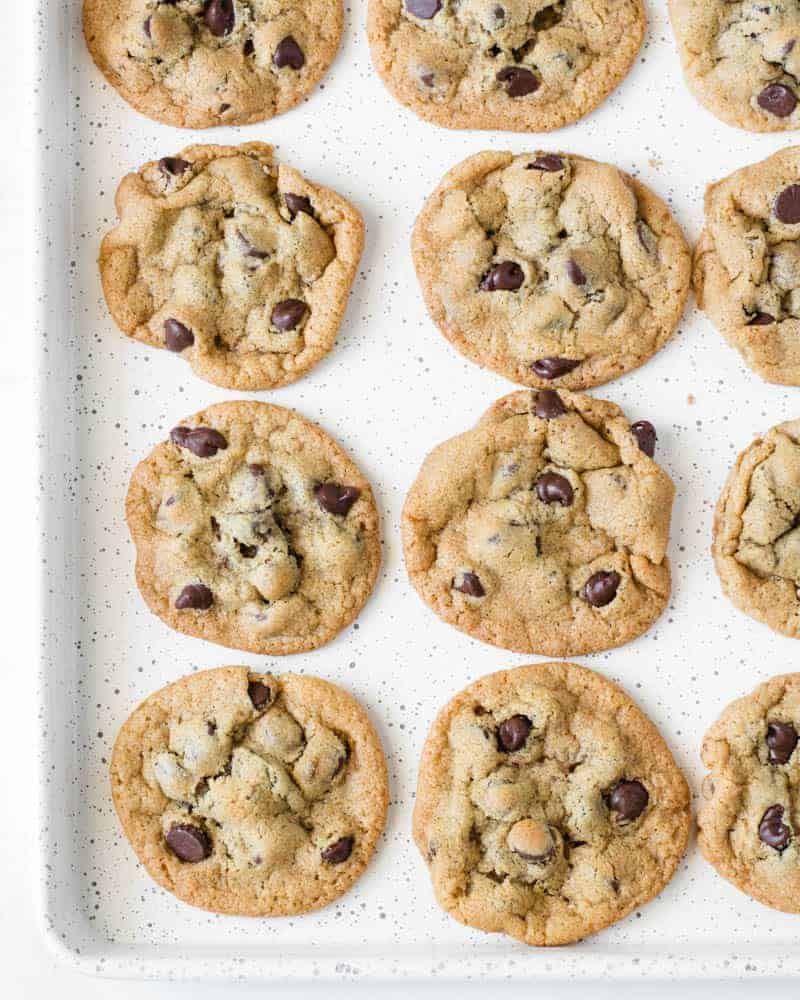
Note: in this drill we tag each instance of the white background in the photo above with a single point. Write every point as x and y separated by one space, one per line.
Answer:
27 968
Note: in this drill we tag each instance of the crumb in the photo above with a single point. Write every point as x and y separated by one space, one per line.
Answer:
690 399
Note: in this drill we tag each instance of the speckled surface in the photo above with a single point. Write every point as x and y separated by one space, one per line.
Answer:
390 389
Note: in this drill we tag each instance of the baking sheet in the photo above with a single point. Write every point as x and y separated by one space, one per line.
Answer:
390 390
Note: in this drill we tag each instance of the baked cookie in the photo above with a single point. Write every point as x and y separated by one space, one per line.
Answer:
548 806
544 528
240 266
747 264
198 63
250 794
550 268
741 59
253 529
756 533
518 65
749 819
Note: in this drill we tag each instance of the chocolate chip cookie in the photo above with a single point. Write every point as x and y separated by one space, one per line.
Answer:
747 264
249 794
548 805
757 530
550 268
519 65
198 63
238 265
544 528
748 819
253 529
741 59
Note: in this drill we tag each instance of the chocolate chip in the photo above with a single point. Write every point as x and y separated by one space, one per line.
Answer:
427 78
174 166
470 584
628 799
513 733
575 273
202 441
550 368
249 47
499 13
423 9
601 588
220 17
194 596
548 162
249 249
552 488
519 82
248 551
177 337
778 100
146 26
507 276
548 405
772 831
259 693
188 842
761 319
288 53
336 499
298 203
339 851
646 436
781 740
787 205
288 314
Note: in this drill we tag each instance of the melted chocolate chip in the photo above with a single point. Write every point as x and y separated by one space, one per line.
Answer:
781 740
601 588
204 442
298 203
423 9
220 17
575 273
778 100
646 436
519 82
173 166
194 596
188 842
761 319
553 488
787 205
339 851
551 368
470 584
336 499
177 337
548 405
772 831
288 314
513 734
628 799
259 693
548 162
288 53
507 276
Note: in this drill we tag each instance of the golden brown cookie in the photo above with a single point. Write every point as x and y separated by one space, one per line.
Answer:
237 264
544 528
253 529
518 65
198 63
548 806
749 818
550 268
249 794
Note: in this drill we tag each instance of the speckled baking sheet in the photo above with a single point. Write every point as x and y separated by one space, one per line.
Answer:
390 390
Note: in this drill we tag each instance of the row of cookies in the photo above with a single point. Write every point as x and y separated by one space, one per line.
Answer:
522 65
548 806
548 268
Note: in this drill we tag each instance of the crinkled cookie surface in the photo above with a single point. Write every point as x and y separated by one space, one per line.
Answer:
520 65
550 268
548 805
749 819
741 59
238 265
747 264
544 528
253 529
757 530
198 63
251 794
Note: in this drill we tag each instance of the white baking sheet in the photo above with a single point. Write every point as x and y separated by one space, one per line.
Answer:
390 390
